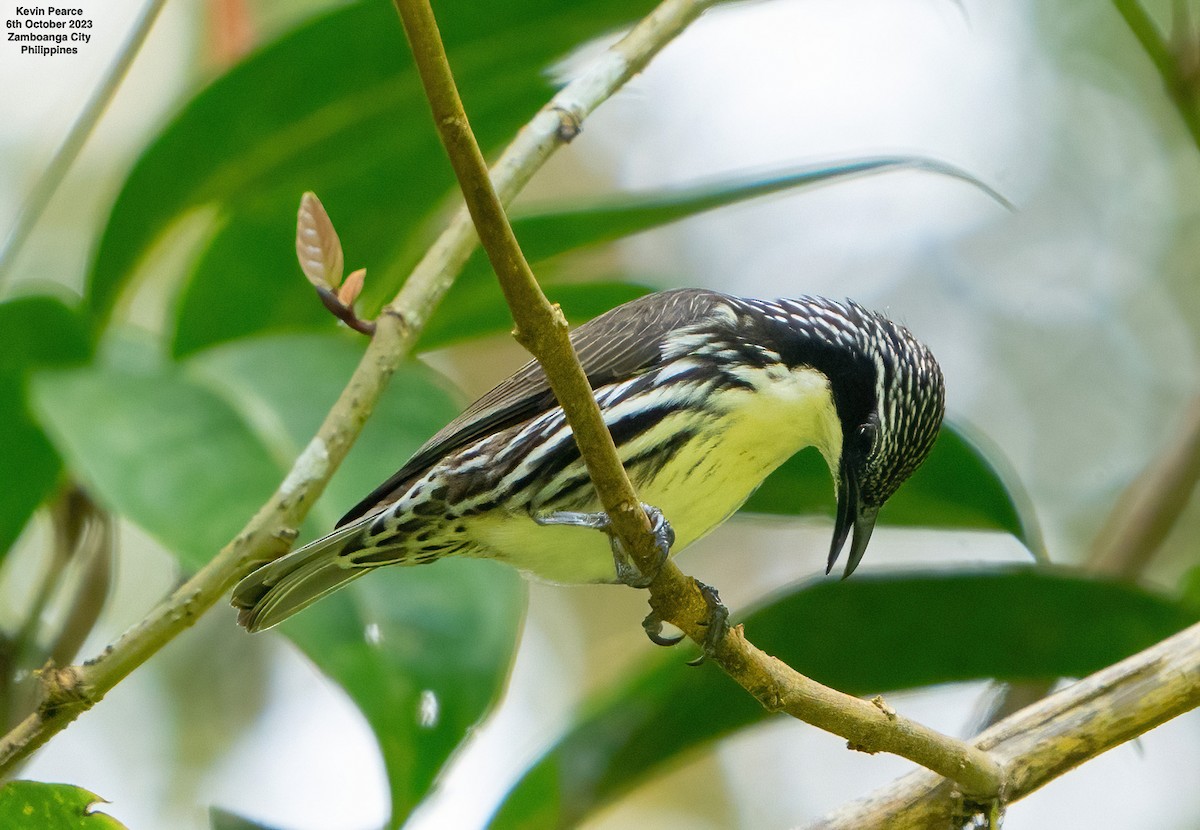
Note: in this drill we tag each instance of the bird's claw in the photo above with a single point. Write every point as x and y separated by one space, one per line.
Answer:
653 626
627 571
716 623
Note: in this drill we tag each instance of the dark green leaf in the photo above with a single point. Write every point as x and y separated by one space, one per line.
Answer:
220 819
424 652
38 806
350 124
1189 586
190 451
285 384
956 487
39 331
548 234
161 450
863 636
476 307
35 332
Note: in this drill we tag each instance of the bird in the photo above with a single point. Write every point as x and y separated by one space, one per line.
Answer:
704 393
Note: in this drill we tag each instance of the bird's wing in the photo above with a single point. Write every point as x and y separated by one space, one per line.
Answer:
616 345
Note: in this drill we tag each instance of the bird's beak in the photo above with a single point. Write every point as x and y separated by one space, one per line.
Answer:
850 513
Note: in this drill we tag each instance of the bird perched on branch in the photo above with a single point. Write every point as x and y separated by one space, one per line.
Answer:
704 394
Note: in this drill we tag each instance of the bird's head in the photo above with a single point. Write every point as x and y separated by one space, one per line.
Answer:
890 409
888 396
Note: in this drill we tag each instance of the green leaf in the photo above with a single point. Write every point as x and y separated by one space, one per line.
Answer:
166 453
38 806
190 451
283 386
424 652
350 124
956 487
478 308
38 331
221 819
553 232
35 332
1189 586
403 638
863 636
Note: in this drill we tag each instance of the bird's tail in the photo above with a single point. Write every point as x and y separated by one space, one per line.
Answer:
293 582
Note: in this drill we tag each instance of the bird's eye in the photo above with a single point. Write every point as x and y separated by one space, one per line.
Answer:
866 434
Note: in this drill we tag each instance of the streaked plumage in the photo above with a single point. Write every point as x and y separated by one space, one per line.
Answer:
705 394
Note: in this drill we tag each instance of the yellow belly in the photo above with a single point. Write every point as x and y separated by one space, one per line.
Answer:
703 484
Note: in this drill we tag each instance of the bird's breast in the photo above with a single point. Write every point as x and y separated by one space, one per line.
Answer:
698 465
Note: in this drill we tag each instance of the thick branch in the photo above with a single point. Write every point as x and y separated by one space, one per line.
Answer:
542 329
71 690
1052 737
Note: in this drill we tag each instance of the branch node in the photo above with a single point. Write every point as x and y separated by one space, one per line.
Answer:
62 688
879 703
569 124
344 312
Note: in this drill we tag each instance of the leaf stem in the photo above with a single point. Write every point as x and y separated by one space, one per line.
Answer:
542 329
71 690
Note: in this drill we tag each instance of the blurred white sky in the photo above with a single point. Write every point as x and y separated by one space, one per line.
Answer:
1052 323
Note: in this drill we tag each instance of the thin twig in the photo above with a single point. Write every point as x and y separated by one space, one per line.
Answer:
46 185
542 329
1050 738
71 690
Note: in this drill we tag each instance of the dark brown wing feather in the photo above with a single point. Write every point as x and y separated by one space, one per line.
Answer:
616 345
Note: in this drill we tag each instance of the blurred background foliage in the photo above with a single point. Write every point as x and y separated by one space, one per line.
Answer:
162 362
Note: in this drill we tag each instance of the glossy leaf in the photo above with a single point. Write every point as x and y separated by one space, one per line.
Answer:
38 806
219 819
160 450
551 233
285 384
349 123
190 451
956 487
35 332
863 636
476 308
424 652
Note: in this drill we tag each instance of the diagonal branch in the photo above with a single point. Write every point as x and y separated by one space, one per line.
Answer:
70 690
1051 737
542 329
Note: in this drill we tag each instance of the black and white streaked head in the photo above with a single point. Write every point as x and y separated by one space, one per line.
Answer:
705 395
887 391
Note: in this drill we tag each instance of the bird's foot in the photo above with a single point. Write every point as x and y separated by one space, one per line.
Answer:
627 571
715 623
653 626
